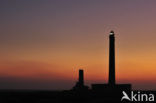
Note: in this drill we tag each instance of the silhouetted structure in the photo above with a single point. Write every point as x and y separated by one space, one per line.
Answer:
81 79
111 58
80 84
111 86
99 93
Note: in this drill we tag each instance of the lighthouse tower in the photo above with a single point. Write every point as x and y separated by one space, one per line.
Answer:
111 58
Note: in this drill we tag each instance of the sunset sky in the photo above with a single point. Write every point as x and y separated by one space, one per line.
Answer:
43 43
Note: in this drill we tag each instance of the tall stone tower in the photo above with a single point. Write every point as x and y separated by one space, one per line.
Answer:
112 58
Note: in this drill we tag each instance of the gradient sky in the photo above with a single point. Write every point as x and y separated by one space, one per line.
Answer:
43 43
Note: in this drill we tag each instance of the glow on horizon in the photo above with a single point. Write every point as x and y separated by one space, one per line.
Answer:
51 40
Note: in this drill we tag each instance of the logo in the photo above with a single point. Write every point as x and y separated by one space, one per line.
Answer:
137 96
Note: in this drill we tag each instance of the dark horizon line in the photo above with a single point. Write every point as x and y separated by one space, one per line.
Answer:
57 90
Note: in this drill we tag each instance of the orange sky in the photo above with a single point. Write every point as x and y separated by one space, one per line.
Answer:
49 41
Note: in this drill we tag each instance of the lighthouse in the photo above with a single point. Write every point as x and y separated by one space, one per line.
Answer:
111 80
112 86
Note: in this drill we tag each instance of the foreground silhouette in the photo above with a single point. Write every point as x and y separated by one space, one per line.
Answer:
90 96
80 93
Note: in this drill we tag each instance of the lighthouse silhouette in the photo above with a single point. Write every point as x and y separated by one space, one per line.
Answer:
111 86
111 58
